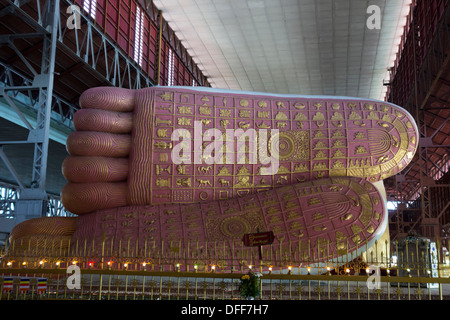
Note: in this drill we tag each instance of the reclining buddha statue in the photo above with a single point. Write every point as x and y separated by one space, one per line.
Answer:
180 164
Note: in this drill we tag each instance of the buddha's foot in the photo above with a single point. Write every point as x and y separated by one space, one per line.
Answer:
126 151
46 236
313 221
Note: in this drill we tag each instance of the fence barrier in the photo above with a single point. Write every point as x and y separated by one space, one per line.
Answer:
199 271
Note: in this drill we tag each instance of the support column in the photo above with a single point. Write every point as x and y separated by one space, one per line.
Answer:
32 200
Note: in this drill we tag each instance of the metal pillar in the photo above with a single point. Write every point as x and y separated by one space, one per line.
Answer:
33 198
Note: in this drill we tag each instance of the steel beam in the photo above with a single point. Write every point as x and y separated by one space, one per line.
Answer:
11 168
33 200
18 93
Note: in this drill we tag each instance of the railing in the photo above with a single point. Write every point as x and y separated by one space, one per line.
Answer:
151 285
202 271
220 256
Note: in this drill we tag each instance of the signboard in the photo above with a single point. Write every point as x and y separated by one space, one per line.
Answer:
258 239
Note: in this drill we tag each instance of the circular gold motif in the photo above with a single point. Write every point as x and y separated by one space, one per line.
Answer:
235 227
203 195
282 146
